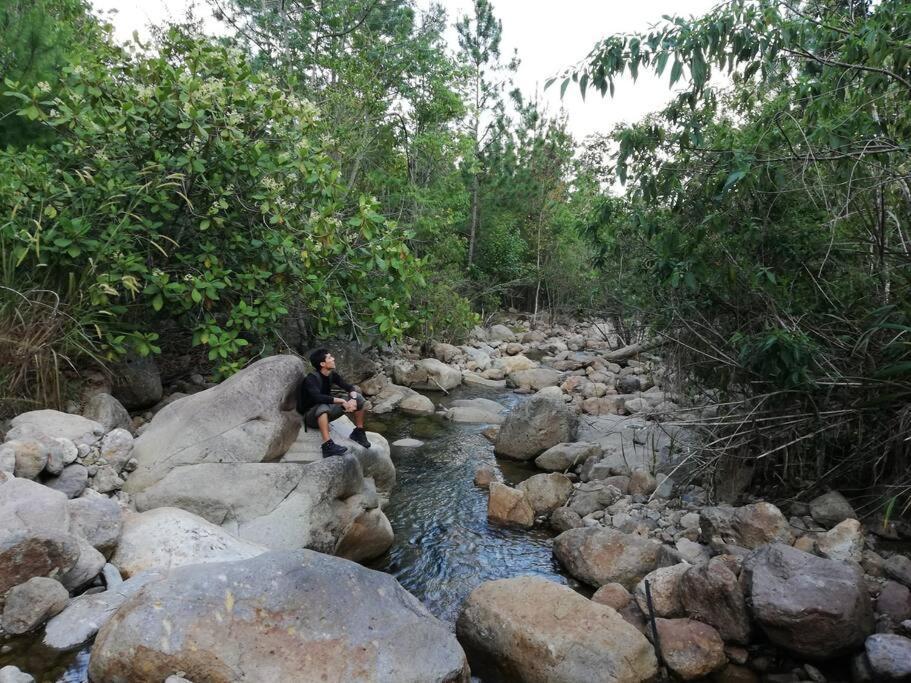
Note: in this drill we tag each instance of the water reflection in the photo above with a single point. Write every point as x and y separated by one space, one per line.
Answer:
444 546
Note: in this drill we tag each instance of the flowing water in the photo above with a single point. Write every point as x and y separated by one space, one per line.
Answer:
444 546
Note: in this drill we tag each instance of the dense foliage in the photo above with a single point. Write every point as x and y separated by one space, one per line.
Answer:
765 228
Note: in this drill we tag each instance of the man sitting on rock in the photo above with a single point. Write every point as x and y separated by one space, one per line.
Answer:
319 407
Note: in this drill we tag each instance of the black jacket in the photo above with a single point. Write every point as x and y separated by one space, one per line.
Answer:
316 388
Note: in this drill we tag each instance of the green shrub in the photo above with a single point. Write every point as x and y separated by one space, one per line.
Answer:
185 190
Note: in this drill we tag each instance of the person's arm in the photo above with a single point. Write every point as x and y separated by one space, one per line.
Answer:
348 388
314 392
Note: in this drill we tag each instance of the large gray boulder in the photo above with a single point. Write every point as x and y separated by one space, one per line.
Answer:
56 425
534 426
278 505
248 418
533 630
815 607
277 617
166 538
599 556
440 377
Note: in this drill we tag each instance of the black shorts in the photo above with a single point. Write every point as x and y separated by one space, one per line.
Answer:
334 410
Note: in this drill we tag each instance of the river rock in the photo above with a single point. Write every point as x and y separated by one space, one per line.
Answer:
13 674
484 476
613 595
440 377
535 378
556 637
279 505
413 403
564 456
512 364
641 482
710 593
165 538
564 519
889 656
108 412
507 505
54 424
85 614
474 379
664 585
272 617
844 542
30 604
248 418
598 556
408 443
476 411
534 426
87 567
691 650
98 519
137 383
106 480
815 607
899 568
760 523
369 536
388 398
894 603
546 492
446 352
592 496
117 448
26 554
71 481
29 456
501 333
831 508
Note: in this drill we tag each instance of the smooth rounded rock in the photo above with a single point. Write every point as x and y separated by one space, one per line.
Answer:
815 607
272 617
506 505
889 656
692 650
557 636
546 492
166 538
30 604
534 426
598 556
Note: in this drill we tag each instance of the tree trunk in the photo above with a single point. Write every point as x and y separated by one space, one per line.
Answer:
474 219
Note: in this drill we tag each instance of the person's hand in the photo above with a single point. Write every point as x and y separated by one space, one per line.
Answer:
350 406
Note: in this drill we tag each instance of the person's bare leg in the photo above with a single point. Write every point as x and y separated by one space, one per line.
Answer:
323 422
359 418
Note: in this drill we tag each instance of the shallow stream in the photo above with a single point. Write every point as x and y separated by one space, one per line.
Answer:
444 546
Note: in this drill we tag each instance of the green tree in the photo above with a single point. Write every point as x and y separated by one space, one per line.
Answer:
479 49
771 220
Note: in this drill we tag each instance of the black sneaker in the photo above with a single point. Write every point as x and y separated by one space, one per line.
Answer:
359 436
331 448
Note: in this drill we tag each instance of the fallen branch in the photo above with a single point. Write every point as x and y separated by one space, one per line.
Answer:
632 350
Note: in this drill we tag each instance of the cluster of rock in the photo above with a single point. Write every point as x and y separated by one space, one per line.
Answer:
739 593
190 550
579 359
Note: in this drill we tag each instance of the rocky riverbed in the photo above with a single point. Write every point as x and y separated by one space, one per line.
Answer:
199 536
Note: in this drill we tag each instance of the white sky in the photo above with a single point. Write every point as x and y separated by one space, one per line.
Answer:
549 36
